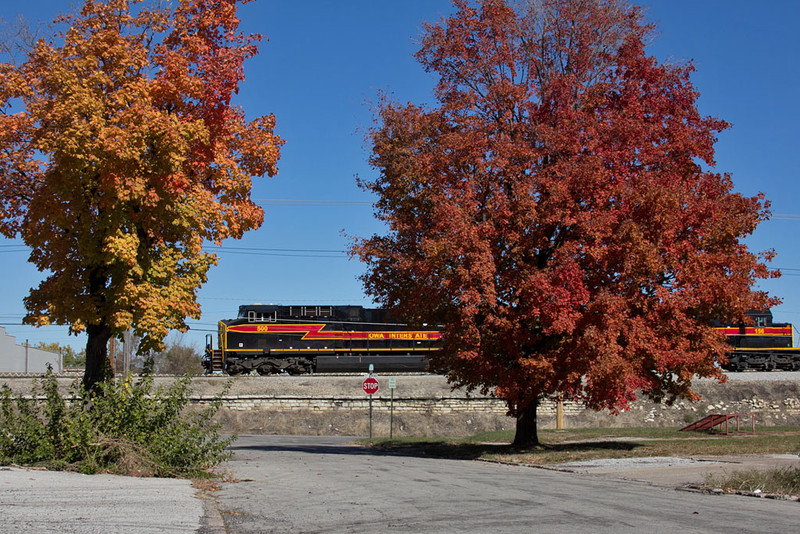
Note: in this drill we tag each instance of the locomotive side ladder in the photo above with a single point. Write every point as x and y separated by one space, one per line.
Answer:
215 356
217 361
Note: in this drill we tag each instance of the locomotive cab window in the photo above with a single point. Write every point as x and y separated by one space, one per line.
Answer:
261 317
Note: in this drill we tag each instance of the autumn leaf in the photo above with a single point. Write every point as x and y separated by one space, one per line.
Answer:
128 155
558 211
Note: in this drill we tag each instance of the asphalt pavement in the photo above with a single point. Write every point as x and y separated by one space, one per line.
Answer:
35 501
327 484
321 485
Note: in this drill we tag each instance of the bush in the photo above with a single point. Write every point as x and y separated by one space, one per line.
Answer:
127 428
178 359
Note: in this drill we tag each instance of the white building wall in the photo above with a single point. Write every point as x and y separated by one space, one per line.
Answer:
16 358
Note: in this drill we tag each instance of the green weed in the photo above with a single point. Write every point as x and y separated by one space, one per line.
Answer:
126 428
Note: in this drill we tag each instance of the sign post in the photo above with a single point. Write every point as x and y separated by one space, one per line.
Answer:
392 386
370 387
560 413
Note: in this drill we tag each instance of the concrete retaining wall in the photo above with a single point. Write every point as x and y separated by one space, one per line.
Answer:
426 406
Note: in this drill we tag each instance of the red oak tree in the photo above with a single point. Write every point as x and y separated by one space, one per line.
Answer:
120 154
556 211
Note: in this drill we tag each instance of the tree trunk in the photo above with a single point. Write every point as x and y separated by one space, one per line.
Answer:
97 368
527 434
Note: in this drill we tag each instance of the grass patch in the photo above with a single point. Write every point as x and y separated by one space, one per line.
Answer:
595 443
772 481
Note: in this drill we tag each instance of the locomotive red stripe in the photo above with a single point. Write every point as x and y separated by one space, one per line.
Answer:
315 332
757 331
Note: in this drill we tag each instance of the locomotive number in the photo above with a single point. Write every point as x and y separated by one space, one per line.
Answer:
262 328
760 331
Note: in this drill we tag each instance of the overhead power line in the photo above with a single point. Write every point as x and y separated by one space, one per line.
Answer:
309 202
284 252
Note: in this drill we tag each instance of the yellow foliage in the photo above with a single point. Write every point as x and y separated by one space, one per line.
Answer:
122 248
145 160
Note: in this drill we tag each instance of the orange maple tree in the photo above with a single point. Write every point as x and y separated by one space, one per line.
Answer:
557 210
121 155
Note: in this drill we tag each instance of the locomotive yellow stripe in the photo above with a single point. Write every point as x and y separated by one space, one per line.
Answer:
750 349
343 351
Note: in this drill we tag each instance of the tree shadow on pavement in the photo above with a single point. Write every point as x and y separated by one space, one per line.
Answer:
427 449
472 451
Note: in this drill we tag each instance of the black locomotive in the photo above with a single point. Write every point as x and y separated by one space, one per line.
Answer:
295 340
762 346
306 339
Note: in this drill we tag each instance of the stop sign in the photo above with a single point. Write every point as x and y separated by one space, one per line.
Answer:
370 385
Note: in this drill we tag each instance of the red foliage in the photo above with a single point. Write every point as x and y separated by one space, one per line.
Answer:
556 210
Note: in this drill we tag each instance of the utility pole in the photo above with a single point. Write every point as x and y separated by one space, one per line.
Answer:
112 342
127 351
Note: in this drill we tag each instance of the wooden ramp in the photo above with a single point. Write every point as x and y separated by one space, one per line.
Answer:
715 419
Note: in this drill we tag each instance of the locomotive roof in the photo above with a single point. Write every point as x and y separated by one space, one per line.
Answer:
243 309
258 306
759 317
271 312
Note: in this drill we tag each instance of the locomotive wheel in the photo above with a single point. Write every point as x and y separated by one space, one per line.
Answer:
296 369
263 370
234 368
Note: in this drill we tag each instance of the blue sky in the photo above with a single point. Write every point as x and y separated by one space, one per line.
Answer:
320 72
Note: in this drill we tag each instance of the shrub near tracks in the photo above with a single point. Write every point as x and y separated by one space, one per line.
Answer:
127 428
